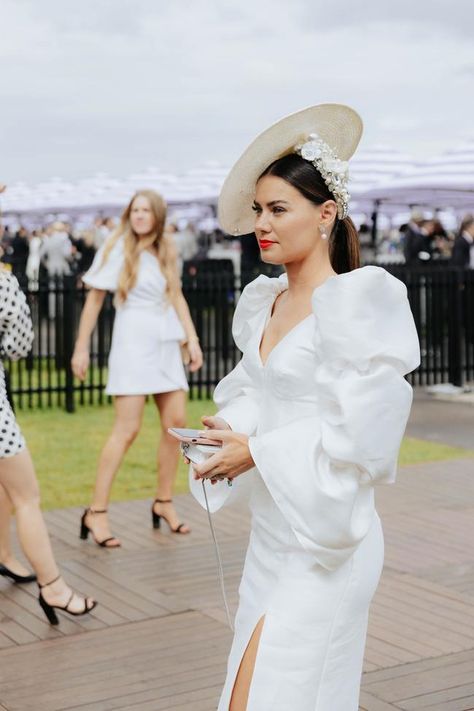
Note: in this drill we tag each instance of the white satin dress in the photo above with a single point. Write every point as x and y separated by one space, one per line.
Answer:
326 415
145 355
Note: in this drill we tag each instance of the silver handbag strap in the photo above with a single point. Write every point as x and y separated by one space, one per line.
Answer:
220 569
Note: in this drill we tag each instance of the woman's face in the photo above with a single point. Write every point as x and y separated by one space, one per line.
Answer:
286 223
141 216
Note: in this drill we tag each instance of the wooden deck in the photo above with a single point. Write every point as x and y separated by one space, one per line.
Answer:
158 641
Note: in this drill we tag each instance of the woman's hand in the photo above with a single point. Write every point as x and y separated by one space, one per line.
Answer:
211 423
233 459
214 423
80 362
195 355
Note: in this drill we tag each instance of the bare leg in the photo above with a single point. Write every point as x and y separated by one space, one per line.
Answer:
128 420
240 692
17 476
172 408
6 554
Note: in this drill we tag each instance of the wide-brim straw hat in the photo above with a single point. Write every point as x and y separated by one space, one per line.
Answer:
338 125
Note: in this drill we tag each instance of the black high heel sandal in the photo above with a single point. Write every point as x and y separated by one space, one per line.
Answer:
156 518
7 573
85 530
49 610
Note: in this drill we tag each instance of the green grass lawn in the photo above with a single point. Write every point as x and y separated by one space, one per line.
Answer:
65 449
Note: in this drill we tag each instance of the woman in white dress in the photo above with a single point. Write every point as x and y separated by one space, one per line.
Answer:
139 263
311 418
19 489
34 261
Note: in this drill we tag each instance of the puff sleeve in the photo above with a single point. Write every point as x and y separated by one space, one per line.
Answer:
16 329
105 275
320 470
236 394
236 398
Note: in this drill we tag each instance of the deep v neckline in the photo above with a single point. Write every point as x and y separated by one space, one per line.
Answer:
268 316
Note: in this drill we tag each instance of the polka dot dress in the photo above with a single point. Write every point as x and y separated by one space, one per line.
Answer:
16 337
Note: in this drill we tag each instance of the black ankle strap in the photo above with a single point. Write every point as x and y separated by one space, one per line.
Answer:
93 511
163 501
50 582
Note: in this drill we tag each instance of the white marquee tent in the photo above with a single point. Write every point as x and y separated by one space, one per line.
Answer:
382 179
440 183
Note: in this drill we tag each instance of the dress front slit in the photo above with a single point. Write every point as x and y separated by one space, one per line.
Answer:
243 690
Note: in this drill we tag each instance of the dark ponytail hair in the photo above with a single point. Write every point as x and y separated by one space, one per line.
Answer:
344 251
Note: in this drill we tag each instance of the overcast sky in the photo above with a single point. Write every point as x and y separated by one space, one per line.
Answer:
119 85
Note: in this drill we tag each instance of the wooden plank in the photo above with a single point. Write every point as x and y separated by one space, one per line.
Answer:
423 682
161 608
367 702
454 695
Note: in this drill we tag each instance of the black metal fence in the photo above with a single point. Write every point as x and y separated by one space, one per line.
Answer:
442 301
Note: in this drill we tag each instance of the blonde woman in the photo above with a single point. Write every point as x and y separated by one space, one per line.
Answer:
139 263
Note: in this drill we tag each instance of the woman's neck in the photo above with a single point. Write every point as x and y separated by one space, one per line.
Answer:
305 276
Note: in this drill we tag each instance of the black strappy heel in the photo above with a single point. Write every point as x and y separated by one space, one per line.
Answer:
19 579
156 518
85 530
49 610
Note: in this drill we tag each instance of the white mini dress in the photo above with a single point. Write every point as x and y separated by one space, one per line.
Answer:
326 415
145 355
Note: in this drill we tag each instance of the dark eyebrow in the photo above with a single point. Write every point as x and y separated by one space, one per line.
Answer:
272 203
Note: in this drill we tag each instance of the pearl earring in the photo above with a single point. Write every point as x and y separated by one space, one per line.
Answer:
324 234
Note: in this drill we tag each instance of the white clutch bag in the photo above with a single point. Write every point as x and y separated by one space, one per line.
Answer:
198 453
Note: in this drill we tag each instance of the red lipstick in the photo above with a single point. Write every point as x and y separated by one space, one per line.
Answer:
265 243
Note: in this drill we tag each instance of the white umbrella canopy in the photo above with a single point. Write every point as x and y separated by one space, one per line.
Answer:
152 178
372 167
443 182
375 164
102 192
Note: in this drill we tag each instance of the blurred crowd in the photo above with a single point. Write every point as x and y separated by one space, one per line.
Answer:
422 241
58 249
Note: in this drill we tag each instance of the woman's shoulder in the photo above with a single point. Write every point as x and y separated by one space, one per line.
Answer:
360 283
8 282
12 297
368 290
365 314
107 265
256 298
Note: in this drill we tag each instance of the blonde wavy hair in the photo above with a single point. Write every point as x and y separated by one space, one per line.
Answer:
157 242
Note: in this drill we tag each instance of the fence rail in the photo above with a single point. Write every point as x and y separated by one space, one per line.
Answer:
442 301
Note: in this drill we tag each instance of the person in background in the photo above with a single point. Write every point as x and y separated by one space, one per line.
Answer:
250 260
56 254
139 263
56 251
440 240
5 243
19 490
85 251
34 260
103 228
413 233
463 248
185 241
419 241
20 248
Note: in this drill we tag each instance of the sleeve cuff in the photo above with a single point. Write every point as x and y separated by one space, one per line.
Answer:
241 415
